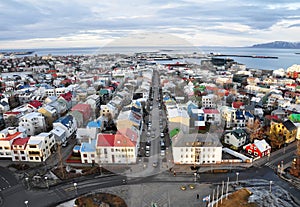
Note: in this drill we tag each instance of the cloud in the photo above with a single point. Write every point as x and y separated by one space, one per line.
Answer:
32 20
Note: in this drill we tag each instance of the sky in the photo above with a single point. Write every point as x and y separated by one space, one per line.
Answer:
92 23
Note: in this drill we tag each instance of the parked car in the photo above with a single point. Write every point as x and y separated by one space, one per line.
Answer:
147 153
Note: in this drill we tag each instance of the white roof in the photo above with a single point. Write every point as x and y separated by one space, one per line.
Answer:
262 145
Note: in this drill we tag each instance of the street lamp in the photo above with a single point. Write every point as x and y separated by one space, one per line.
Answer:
27 182
47 184
271 185
75 186
195 175
26 203
237 177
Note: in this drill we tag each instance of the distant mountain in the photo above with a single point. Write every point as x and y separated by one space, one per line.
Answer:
279 44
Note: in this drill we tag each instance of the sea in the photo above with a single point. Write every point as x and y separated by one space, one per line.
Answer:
286 57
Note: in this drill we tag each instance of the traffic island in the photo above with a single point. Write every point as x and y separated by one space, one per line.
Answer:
100 199
237 199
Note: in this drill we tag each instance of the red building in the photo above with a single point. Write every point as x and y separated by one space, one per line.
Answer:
85 109
259 148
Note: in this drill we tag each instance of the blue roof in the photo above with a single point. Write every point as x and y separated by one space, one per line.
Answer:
239 115
249 114
88 147
94 124
65 120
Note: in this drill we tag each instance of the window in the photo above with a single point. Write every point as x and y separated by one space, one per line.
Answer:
15 152
7 148
112 149
84 155
22 152
93 155
31 158
16 158
37 158
23 158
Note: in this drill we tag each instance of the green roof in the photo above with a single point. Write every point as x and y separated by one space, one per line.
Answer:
294 117
174 132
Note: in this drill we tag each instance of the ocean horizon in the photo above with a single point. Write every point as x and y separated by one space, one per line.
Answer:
286 57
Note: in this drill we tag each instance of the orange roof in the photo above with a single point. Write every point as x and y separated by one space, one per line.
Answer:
11 136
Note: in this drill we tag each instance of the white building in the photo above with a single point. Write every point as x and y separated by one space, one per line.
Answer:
118 148
197 149
236 138
7 136
209 101
34 123
39 147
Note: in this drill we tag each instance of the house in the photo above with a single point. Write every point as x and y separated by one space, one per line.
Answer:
209 101
239 119
59 135
68 123
95 103
178 117
60 107
50 114
236 138
196 149
86 134
34 105
40 147
106 111
259 148
33 122
7 136
4 106
285 131
88 152
18 149
117 148
85 109
212 116
78 116
199 117
67 97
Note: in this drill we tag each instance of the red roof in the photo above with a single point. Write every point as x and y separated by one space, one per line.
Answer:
67 96
85 109
211 111
35 103
237 104
123 141
20 141
12 112
11 136
105 140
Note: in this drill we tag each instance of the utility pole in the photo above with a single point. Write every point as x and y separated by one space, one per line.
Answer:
222 191
227 188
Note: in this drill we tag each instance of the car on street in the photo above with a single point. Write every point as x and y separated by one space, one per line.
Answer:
155 164
162 153
162 135
147 153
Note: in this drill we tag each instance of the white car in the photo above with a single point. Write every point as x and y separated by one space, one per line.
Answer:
162 153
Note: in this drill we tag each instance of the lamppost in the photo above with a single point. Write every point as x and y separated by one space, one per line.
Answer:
26 203
27 182
271 185
75 186
47 184
237 177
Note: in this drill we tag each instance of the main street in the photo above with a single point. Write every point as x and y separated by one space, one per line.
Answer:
16 195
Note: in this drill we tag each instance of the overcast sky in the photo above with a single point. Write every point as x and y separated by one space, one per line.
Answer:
85 23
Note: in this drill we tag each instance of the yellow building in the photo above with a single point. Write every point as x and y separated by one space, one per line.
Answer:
285 131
